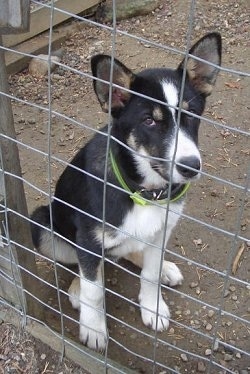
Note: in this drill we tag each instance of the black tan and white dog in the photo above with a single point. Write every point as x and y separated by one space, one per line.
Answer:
152 159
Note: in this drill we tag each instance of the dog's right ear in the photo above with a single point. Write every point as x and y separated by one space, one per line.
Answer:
101 68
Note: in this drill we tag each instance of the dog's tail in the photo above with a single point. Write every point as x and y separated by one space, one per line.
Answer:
53 247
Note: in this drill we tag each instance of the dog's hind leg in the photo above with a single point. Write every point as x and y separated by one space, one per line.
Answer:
74 293
50 245
93 330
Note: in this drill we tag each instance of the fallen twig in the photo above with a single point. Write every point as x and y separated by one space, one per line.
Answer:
237 258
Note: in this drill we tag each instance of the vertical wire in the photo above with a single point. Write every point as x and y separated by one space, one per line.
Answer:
188 41
105 178
49 147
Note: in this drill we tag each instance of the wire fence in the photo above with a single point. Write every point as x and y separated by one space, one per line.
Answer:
54 117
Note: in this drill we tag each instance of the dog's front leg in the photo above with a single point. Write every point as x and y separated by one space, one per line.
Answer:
93 330
154 310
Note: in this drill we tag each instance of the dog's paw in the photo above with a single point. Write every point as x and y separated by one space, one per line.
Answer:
74 293
171 274
151 318
93 332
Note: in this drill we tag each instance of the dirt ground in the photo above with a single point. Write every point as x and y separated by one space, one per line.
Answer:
221 206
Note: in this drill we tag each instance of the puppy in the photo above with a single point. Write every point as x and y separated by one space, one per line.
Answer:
152 157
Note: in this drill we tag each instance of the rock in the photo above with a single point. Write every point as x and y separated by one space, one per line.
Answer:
216 345
210 313
201 367
228 357
208 352
209 327
184 357
193 284
125 9
39 65
198 291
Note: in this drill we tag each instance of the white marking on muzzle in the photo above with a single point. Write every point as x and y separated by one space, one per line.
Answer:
186 147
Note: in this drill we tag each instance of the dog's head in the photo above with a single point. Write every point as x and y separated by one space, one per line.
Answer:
158 119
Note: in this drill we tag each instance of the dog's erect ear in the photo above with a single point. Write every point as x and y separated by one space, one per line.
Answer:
201 74
122 76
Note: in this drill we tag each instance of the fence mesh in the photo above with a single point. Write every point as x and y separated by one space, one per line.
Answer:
57 114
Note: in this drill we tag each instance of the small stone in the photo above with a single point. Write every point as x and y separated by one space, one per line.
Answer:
187 312
209 327
132 309
226 293
228 357
214 193
193 284
114 281
171 331
238 355
201 367
210 313
184 357
208 352
234 297
43 356
198 291
232 288
133 336
197 242
31 121
216 345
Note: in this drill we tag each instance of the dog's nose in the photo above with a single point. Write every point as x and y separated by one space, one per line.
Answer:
187 163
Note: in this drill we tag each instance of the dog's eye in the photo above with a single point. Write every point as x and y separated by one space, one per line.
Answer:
149 122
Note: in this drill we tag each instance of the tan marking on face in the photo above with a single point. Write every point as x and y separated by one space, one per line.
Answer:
157 114
184 105
132 142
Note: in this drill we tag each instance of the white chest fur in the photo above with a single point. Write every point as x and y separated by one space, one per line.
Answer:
141 224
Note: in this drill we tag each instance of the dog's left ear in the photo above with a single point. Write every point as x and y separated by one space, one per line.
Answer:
201 74
101 68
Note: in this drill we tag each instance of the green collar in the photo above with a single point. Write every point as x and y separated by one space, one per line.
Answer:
144 197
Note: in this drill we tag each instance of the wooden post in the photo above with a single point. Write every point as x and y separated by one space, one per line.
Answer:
14 198
14 16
